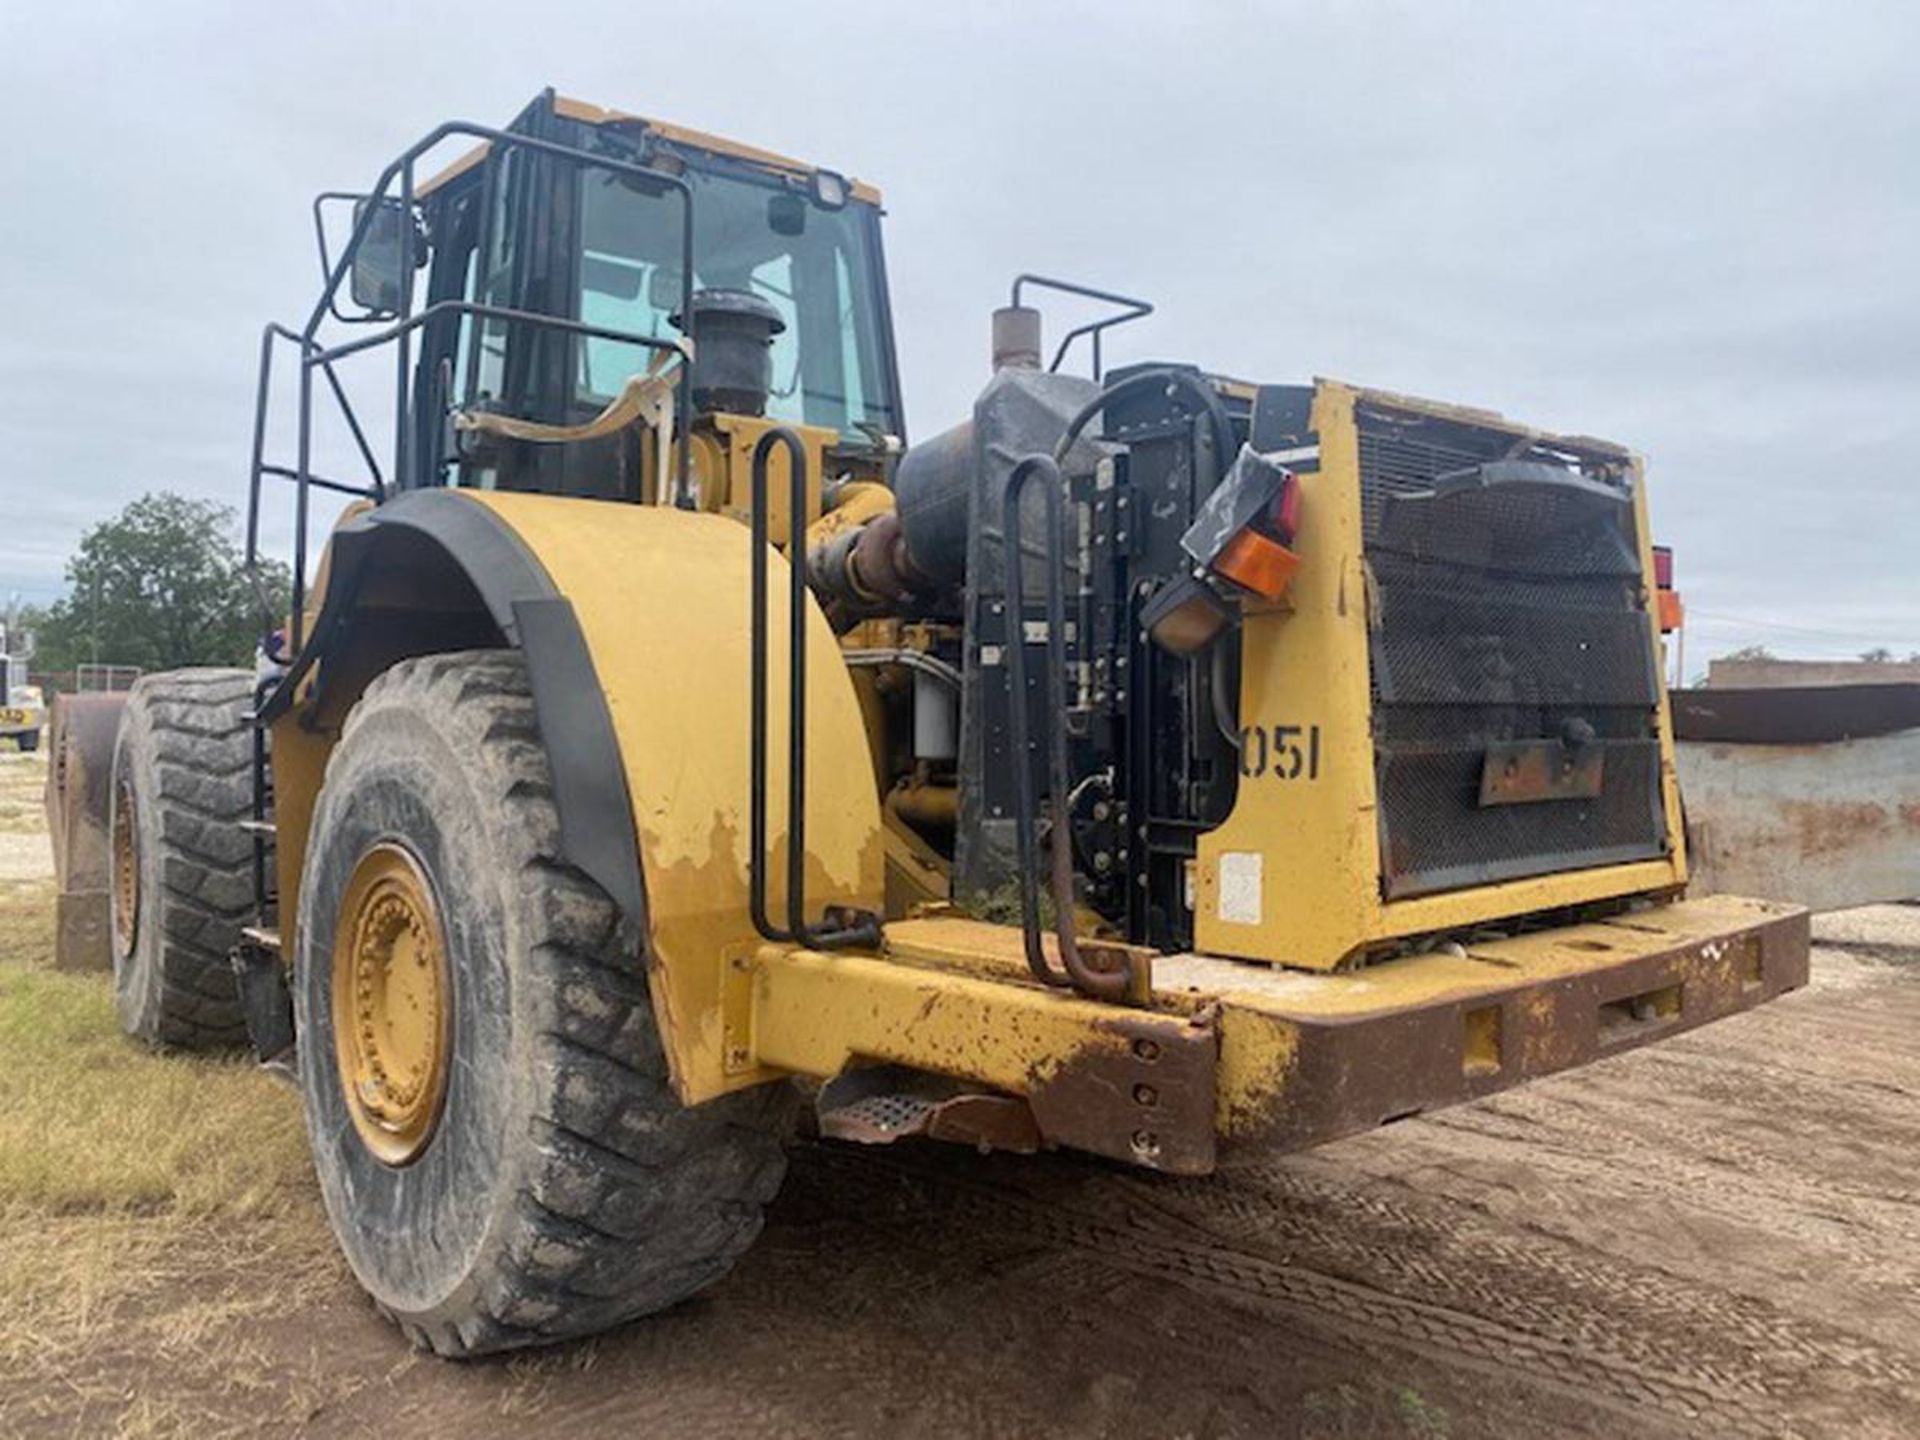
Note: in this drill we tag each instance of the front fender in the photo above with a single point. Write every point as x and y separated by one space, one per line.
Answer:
635 624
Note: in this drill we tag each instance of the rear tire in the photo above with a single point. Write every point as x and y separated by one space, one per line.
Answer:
560 1187
181 868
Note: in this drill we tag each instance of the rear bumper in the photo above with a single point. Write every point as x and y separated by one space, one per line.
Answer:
1233 1053
1305 1060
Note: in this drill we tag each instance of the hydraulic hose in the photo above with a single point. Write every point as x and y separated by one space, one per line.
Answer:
1216 409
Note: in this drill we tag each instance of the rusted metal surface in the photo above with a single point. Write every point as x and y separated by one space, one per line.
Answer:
885 1103
81 734
1524 772
1795 715
1234 1052
1828 825
1353 1073
1135 1085
987 1122
1150 1101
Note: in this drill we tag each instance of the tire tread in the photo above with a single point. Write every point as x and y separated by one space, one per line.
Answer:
627 1200
201 748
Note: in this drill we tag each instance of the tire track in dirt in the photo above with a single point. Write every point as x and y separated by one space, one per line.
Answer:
1716 1162
1557 1290
1601 1367
1717 1172
1371 1261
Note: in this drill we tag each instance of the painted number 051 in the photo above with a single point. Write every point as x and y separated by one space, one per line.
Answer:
1286 752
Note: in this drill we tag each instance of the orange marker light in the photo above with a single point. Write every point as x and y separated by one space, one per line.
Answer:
1255 562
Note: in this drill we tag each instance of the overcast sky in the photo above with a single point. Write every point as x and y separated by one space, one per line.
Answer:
1693 228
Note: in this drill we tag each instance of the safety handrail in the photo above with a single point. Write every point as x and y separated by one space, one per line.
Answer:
1078 974
314 356
1131 309
851 928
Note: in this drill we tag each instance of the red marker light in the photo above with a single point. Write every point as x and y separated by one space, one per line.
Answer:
1286 509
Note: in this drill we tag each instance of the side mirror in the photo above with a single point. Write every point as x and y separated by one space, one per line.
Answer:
787 214
376 272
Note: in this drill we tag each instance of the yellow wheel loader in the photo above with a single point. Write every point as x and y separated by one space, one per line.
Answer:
23 713
1151 764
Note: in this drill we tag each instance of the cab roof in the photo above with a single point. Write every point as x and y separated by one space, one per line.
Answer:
591 114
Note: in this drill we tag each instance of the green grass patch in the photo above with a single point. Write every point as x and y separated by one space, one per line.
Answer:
148 1202
26 924
94 1122
134 1185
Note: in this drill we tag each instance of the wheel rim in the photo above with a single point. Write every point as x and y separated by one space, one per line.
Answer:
390 1004
126 872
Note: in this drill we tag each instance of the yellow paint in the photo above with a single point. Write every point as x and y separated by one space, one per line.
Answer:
859 502
857 190
299 766
722 469
917 875
1258 1056
816 1014
1669 776
392 1020
963 945
701 140
738 435
1318 840
470 160
1485 968
662 598
952 997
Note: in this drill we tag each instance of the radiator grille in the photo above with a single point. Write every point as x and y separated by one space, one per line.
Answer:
1501 612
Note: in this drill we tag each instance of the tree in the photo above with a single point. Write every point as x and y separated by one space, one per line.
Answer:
1749 652
1879 655
161 585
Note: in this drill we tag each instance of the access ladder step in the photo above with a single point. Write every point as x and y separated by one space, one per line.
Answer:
261 938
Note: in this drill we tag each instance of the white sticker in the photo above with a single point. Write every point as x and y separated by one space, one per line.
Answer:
1240 887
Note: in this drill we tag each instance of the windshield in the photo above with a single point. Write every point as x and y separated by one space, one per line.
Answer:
813 265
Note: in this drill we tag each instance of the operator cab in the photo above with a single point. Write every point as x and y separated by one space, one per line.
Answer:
526 230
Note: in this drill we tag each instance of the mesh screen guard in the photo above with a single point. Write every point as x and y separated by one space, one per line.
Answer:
1505 606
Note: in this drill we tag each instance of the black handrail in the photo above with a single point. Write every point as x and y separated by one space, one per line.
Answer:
1102 984
315 356
1132 310
857 928
259 468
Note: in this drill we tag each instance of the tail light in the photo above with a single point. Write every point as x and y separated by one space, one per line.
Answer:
1244 532
1666 599
1257 562
1663 566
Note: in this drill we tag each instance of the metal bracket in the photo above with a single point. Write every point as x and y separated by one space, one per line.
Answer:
736 1008
1524 772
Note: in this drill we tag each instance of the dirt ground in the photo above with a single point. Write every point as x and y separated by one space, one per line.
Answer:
1717 1236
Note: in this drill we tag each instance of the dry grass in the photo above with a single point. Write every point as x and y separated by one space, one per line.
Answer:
93 1124
150 1206
23 847
20 817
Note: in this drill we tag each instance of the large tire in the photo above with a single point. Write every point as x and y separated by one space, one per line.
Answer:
182 868
561 1188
